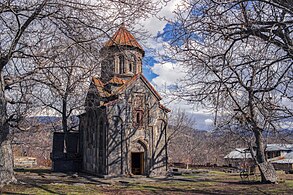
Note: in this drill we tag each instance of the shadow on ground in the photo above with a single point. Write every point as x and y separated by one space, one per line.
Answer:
36 181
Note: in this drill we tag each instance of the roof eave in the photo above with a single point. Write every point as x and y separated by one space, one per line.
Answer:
126 46
157 95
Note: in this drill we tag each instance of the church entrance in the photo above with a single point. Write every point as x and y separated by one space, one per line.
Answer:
137 163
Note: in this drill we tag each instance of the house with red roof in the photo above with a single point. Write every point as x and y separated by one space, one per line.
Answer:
124 128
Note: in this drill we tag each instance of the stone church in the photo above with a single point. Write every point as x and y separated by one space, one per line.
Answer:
124 128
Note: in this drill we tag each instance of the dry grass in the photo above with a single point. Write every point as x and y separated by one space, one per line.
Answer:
213 182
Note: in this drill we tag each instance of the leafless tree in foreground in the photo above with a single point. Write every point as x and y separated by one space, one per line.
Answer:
31 30
61 88
196 147
238 57
182 138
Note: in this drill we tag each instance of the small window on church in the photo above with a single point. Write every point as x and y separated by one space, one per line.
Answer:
139 118
130 67
121 64
132 64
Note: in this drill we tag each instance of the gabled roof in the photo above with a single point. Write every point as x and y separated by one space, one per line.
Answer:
97 82
116 80
241 152
123 38
150 87
101 88
125 84
238 153
164 108
279 147
135 78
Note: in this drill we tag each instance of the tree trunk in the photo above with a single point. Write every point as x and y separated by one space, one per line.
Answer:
64 122
268 173
6 158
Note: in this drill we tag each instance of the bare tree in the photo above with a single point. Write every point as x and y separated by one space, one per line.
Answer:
238 58
196 147
31 30
181 138
62 87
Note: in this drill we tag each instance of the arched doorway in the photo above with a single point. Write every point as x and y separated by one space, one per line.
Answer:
137 163
138 158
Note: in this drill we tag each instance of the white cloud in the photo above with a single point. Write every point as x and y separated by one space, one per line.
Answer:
168 74
203 117
209 121
154 24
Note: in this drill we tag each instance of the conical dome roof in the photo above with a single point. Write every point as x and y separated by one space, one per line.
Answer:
123 38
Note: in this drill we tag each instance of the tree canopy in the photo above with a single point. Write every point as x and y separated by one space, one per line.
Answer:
238 59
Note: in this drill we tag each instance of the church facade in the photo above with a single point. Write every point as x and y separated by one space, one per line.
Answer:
124 128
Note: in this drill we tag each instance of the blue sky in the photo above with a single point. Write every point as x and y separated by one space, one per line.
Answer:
148 62
167 73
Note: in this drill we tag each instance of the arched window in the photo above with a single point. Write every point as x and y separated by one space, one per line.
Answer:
132 64
138 68
139 118
121 64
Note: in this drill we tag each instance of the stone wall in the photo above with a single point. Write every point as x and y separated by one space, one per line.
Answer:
93 130
150 136
24 162
111 62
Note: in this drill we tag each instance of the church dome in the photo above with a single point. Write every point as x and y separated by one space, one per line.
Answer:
123 38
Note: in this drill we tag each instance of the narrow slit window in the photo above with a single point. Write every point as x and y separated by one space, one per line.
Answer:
139 118
130 66
121 64
134 64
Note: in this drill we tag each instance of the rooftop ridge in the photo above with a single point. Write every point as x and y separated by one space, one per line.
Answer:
123 37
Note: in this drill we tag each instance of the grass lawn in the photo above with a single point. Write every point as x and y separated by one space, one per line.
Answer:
33 181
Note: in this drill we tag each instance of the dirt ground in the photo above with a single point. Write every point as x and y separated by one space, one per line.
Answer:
43 181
